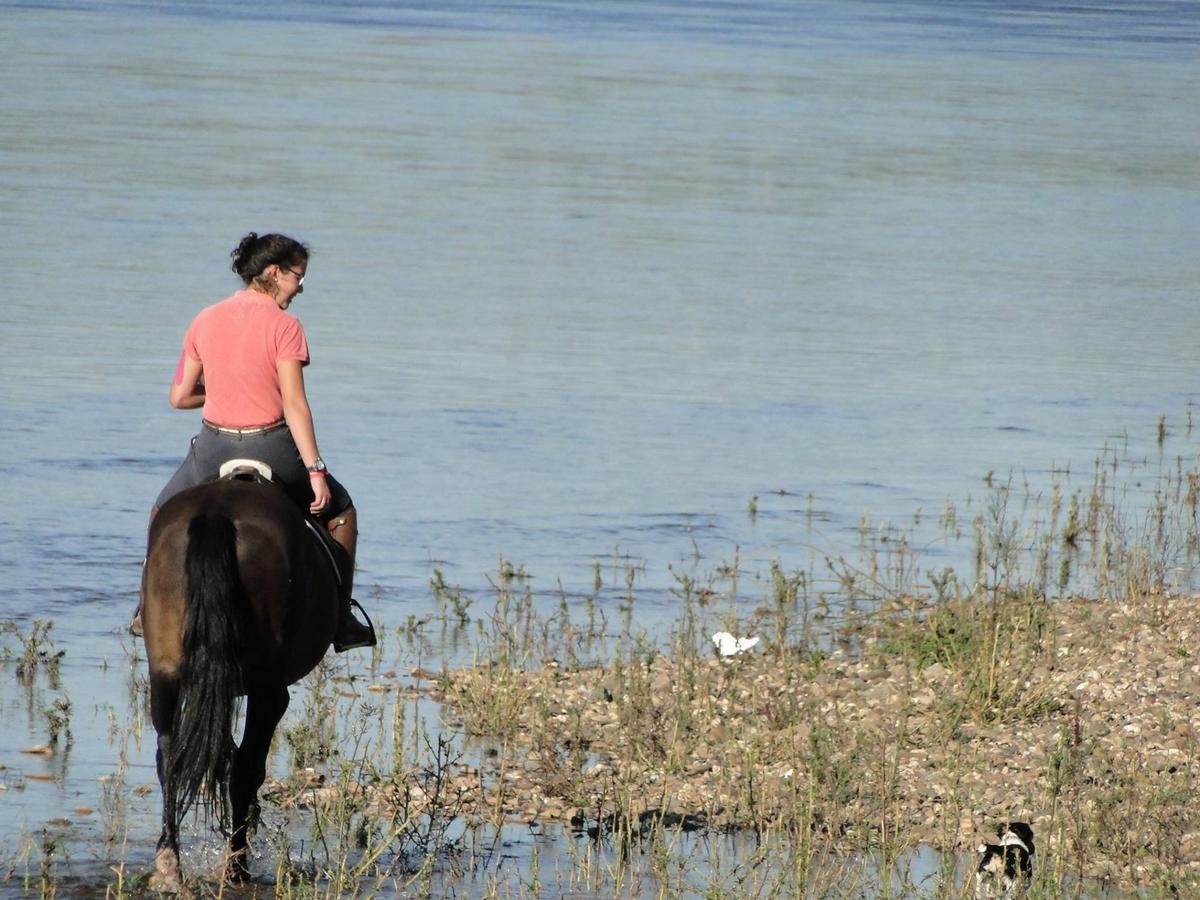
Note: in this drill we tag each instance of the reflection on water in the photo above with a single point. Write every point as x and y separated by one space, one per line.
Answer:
591 282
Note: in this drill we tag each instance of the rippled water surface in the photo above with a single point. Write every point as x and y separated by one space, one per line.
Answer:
587 278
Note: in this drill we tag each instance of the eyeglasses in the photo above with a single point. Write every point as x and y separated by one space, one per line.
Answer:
299 276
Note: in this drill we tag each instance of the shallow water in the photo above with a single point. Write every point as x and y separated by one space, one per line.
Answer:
586 280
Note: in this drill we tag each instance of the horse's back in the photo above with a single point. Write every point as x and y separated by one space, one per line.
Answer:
283 592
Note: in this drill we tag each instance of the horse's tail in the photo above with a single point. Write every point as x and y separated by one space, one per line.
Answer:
210 679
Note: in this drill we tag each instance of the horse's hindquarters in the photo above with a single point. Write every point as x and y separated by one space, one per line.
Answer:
237 599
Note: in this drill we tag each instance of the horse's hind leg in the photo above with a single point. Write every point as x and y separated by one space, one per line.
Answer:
264 708
164 696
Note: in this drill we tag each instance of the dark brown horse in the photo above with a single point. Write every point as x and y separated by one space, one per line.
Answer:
240 598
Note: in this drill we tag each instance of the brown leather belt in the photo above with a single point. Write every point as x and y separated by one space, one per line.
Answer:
245 432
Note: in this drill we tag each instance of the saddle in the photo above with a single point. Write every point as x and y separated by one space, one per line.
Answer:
257 471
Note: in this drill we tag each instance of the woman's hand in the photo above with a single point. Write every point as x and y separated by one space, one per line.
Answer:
321 495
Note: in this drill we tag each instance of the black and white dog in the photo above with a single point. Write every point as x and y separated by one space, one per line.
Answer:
1006 868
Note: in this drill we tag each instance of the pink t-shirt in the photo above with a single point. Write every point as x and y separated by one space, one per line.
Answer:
240 342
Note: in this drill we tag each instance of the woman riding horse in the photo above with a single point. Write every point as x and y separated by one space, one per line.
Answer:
243 361
240 594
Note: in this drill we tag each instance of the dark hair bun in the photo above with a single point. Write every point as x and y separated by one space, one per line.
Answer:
242 255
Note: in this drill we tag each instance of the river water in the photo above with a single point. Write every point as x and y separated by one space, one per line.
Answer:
589 281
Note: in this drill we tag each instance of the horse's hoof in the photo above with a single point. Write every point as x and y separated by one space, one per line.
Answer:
165 879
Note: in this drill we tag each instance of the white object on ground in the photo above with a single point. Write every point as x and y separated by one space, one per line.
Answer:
728 645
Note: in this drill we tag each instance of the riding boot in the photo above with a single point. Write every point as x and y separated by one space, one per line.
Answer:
350 632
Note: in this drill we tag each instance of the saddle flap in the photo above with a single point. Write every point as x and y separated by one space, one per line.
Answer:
235 468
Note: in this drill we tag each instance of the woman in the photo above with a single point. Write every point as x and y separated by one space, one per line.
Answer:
243 361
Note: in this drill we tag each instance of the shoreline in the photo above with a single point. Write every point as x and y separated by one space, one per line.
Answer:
948 718
1092 739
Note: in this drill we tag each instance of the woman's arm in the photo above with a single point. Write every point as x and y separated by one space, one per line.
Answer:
299 419
187 391
296 410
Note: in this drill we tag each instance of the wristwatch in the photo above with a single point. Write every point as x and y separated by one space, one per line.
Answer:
318 465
